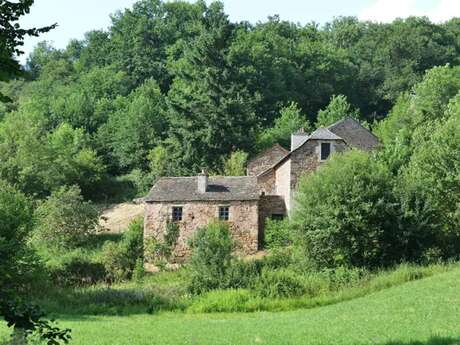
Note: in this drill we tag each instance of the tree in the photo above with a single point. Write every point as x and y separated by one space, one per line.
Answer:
289 121
12 37
430 188
64 219
235 164
211 112
338 109
136 127
346 214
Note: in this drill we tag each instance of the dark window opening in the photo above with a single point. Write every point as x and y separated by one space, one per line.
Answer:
277 216
224 212
325 151
177 214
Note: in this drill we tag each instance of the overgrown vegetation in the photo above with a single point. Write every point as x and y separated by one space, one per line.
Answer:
105 117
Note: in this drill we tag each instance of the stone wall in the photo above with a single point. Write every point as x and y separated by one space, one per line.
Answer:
266 183
243 220
306 159
268 206
266 159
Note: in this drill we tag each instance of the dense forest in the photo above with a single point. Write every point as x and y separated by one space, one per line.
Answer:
173 87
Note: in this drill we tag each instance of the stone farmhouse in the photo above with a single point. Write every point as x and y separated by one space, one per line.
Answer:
268 190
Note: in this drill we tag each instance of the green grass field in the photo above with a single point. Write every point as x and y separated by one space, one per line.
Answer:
421 312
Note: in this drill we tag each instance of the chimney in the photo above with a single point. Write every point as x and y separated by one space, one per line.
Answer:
298 138
202 182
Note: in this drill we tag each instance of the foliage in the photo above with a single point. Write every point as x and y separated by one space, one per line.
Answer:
277 233
430 187
211 110
26 319
64 219
235 164
160 252
211 257
280 283
319 288
12 38
120 259
337 109
15 227
290 121
76 269
348 215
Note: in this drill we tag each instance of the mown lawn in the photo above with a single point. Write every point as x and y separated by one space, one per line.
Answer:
421 312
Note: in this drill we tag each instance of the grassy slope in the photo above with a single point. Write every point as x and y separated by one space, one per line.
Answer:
409 314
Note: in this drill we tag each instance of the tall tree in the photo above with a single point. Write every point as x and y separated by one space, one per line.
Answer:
211 112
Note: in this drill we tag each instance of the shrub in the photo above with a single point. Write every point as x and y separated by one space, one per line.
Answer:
15 226
243 274
278 233
139 271
347 214
116 262
132 242
64 219
211 257
280 283
120 259
75 269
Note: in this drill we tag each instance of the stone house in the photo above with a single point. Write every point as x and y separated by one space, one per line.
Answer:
268 190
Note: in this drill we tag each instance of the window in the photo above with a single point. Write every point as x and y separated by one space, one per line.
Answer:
277 216
224 212
325 151
177 214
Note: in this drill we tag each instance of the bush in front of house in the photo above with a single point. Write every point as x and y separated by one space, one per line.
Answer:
211 257
347 214
120 259
278 233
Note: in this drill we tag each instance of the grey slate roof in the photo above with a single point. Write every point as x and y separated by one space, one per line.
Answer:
354 134
220 188
324 134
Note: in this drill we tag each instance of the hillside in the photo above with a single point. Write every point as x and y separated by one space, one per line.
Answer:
421 312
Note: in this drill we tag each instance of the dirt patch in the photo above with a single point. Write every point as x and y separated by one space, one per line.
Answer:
116 218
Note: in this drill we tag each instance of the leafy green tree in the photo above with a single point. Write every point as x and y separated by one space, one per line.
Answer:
338 109
347 215
12 38
39 161
137 126
430 188
64 220
235 164
289 121
411 121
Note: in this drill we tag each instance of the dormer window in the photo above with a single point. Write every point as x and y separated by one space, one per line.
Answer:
325 151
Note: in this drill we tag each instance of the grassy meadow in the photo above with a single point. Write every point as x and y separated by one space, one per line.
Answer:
424 311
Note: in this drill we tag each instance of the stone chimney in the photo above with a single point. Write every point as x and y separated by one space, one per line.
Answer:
298 138
203 181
